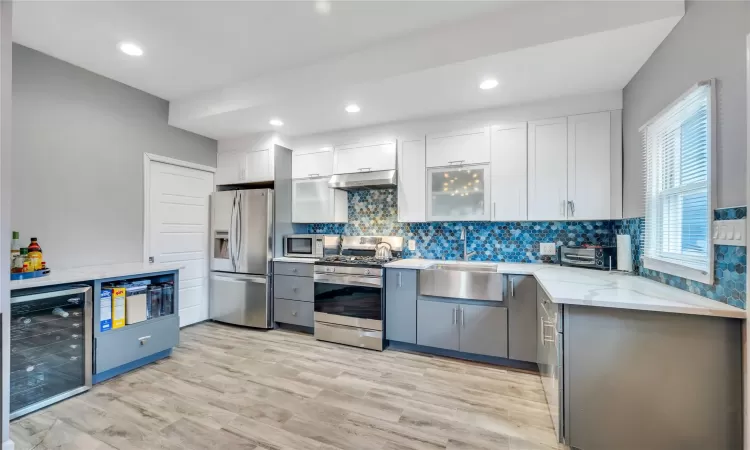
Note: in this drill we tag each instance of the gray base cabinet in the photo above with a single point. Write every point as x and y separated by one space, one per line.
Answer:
437 324
484 330
293 294
650 380
469 328
401 305
523 324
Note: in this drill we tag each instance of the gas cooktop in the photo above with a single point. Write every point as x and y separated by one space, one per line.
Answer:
350 260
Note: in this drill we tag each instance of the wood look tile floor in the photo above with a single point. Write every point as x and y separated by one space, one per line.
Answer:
232 388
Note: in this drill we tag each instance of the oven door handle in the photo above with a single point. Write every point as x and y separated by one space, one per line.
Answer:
349 280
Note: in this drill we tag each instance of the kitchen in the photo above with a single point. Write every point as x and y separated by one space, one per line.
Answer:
388 275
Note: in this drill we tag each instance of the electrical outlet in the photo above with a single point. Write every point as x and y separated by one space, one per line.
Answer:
547 248
412 245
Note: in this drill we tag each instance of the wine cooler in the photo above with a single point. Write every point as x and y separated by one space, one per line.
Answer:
50 347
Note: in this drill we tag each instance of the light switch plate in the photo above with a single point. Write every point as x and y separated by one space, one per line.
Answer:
729 232
412 245
547 248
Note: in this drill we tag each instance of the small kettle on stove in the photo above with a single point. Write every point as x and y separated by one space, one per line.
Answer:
383 250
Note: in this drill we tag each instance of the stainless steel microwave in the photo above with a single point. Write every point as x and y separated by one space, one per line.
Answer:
311 245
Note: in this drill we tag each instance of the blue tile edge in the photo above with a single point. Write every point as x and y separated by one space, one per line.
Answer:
111 373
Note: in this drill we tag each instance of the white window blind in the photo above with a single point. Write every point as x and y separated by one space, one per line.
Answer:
677 145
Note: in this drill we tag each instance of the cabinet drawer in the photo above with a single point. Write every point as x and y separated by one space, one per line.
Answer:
293 312
121 346
293 269
294 288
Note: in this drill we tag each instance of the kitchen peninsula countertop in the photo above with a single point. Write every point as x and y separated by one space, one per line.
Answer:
80 274
588 287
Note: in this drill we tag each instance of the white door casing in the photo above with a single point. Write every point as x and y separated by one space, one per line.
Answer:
176 227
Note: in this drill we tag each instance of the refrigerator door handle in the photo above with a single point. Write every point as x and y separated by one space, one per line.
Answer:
231 232
239 231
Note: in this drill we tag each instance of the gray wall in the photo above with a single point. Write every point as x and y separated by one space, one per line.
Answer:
77 160
709 42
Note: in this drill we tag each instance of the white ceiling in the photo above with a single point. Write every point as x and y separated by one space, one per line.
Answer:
191 46
228 67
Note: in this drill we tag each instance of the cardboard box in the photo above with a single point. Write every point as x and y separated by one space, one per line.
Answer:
118 307
105 310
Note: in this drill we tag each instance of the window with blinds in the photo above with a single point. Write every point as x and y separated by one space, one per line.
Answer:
677 146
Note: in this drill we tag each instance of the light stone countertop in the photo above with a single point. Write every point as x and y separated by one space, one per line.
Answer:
295 260
79 274
588 287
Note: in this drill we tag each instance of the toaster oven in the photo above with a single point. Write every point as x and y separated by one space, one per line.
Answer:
594 257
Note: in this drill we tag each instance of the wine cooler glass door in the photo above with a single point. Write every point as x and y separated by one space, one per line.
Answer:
50 348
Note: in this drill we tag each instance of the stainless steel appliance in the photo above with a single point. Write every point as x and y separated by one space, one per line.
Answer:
349 293
241 255
379 179
50 347
311 245
594 256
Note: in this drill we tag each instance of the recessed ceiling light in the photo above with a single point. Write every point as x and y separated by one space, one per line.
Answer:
488 84
276 122
130 48
323 7
352 108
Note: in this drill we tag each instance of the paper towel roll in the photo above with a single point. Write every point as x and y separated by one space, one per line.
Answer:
624 253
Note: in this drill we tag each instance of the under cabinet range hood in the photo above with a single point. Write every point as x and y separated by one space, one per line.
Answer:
380 179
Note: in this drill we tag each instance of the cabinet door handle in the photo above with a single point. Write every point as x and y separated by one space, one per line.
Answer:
294 313
399 279
494 210
459 162
463 323
313 175
572 208
364 169
512 281
455 312
143 340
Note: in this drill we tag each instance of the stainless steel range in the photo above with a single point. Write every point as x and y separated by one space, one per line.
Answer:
349 295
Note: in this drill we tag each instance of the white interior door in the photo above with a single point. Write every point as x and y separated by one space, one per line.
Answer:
178 228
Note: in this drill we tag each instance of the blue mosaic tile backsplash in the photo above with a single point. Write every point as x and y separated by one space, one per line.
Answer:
730 263
374 212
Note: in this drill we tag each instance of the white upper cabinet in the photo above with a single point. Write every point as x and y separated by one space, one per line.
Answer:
355 158
508 173
229 167
308 165
548 169
459 148
314 202
411 180
258 166
244 167
589 166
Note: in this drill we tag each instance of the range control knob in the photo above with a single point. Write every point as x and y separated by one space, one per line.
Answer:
367 271
599 253
330 269
599 262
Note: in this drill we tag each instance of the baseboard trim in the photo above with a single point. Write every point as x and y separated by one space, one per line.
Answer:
414 348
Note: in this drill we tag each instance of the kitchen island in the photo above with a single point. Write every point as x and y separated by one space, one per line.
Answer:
626 362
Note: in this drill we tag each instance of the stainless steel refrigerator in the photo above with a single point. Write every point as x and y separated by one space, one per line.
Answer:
241 254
